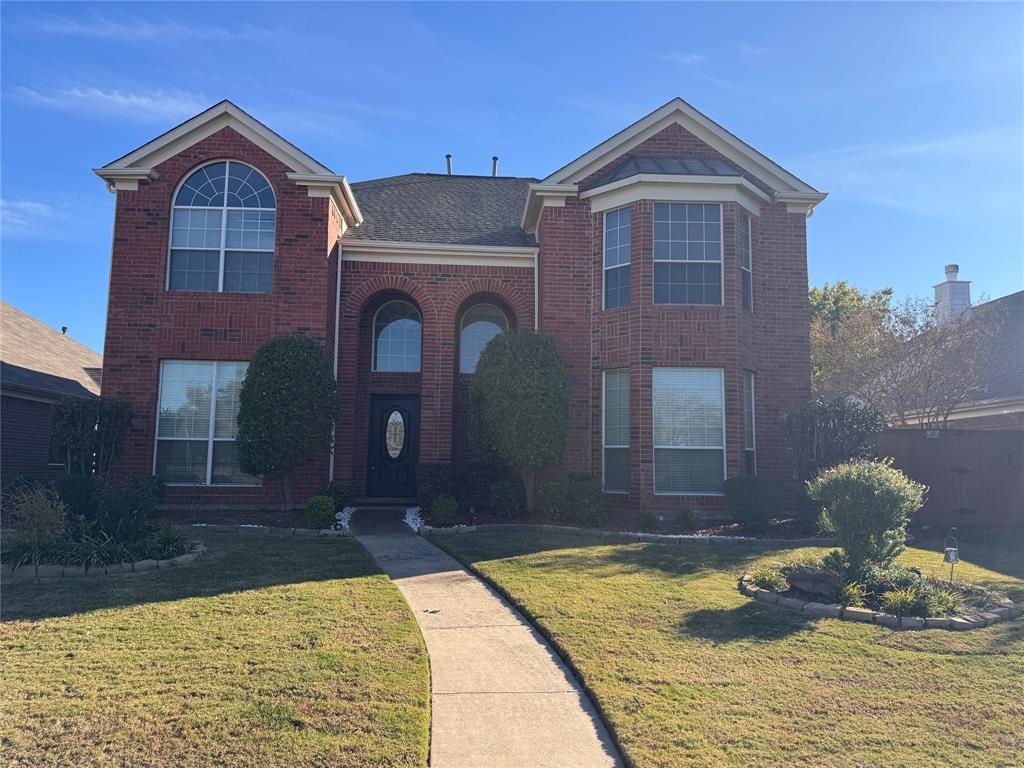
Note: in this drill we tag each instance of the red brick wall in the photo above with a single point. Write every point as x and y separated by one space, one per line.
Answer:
772 341
147 324
25 427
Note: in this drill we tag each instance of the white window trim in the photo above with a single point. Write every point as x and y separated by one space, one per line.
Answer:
604 255
749 266
373 337
604 419
462 327
654 451
223 228
721 258
210 439
753 417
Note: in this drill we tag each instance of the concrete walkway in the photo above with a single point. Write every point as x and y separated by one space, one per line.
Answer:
499 694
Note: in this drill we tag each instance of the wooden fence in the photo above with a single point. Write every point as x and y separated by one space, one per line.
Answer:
975 477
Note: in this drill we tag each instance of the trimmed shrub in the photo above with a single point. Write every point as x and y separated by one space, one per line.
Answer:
647 519
436 480
125 513
767 577
444 512
867 504
687 518
341 493
752 501
320 512
504 500
575 500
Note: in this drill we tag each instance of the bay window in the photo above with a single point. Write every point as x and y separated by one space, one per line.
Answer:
618 228
749 427
689 430
746 262
616 431
687 253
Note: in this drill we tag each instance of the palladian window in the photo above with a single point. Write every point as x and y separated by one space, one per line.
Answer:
480 324
396 338
222 231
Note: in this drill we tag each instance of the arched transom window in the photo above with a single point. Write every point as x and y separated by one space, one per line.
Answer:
396 337
222 231
480 324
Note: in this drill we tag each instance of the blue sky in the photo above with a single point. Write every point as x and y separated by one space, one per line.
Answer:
909 115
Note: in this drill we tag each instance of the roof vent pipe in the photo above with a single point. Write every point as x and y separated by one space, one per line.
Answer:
494 165
448 160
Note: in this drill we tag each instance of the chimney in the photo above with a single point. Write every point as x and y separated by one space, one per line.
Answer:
952 296
494 165
448 160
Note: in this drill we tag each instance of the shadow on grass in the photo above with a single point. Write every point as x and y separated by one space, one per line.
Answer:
235 562
745 622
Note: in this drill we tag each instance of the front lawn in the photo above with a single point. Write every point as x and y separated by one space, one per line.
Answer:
270 650
691 673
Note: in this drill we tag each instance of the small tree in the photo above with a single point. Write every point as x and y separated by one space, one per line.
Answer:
867 504
286 409
89 433
519 401
824 432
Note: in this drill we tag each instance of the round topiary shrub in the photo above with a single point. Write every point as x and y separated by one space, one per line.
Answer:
752 501
867 505
320 512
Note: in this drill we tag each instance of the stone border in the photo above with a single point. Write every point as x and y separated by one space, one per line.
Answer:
269 530
1004 612
429 530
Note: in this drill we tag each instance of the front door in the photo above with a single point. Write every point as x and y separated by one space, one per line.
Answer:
393 446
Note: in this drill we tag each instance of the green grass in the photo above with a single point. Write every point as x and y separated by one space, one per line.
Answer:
690 673
268 651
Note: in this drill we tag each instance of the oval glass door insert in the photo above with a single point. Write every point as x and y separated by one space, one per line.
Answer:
394 435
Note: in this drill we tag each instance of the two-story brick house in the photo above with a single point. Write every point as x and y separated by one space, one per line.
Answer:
669 262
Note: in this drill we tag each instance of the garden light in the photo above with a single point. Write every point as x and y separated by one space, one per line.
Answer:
952 553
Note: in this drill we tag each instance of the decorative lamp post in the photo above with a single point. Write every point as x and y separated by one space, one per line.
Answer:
952 554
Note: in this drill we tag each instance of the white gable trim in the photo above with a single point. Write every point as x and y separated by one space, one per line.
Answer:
704 128
126 172
676 188
543 196
391 252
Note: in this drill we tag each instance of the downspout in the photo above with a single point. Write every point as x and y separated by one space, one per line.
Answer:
536 288
337 334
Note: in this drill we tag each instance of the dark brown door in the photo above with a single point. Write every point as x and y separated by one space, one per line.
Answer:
393 446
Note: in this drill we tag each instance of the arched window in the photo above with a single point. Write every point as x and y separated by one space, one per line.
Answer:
480 324
396 337
222 231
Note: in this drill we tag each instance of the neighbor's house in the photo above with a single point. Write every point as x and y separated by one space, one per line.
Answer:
38 366
669 262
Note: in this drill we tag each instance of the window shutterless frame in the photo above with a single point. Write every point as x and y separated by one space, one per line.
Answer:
746 259
604 256
224 209
374 367
654 452
721 255
750 416
604 430
211 437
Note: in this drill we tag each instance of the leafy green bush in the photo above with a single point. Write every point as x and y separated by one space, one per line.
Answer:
943 602
436 480
905 601
767 577
342 493
37 517
519 405
687 518
504 500
867 504
125 512
646 519
286 409
575 500
444 511
81 497
852 595
320 512
752 501
89 433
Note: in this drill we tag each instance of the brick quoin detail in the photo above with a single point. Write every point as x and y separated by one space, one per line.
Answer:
147 324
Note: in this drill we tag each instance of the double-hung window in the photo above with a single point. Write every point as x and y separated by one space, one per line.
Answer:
687 253
746 262
618 228
749 425
222 231
689 430
616 431
196 423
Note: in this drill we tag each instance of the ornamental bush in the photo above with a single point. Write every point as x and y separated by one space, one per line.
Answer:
519 405
575 499
89 433
35 517
687 518
504 500
867 504
444 512
752 501
286 409
342 493
320 512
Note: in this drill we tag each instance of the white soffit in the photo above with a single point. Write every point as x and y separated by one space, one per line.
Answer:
381 251
704 128
676 188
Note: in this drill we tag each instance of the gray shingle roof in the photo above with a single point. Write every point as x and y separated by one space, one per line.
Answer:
38 358
667 164
1003 374
438 208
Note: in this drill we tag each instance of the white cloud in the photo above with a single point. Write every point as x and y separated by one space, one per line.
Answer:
155 104
20 218
142 30
687 58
